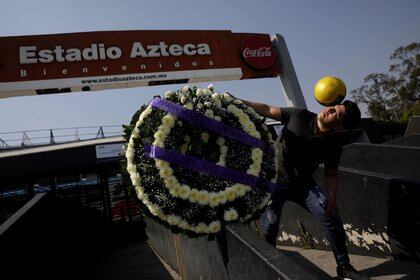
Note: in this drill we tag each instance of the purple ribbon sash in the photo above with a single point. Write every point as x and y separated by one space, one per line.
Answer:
208 167
210 124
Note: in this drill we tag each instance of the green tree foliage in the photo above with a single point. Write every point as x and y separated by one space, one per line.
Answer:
394 96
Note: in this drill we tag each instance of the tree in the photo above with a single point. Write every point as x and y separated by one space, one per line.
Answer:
394 96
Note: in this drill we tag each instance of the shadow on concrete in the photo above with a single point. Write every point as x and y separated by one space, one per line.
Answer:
408 271
307 265
134 260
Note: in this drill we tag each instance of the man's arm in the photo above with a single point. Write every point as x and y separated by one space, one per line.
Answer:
265 110
331 184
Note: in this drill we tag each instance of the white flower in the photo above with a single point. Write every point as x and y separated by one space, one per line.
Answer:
173 220
185 89
216 96
184 191
257 152
176 190
161 163
213 199
193 196
131 168
257 158
129 156
166 172
214 226
243 118
222 161
252 170
171 181
230 215
242 191
189 105
184 100
165 129
140 193
135 133
207 104
199 92
227 97
232 109
168 120
256 134
199 105
168 94
222 197
203 197
231 194
135 178
159 138
249 127
154 209
210 87
209 113
201 228
131 144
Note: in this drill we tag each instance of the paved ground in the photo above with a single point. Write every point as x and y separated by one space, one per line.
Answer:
135 260
322 264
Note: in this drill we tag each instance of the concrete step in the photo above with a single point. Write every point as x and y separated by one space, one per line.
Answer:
322 264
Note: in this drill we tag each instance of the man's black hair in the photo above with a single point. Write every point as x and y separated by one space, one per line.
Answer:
352 115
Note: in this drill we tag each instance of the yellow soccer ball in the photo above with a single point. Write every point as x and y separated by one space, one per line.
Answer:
329 91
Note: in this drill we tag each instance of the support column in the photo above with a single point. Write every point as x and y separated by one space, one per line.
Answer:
289 81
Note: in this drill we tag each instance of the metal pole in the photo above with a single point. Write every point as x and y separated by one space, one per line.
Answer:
103 175
289 81
52 141
100 133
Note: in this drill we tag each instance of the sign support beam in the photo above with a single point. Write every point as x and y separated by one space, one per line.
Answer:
289 81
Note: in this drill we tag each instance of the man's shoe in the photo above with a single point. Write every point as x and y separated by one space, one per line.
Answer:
348 272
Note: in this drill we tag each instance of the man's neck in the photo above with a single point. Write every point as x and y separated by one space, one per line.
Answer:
320 129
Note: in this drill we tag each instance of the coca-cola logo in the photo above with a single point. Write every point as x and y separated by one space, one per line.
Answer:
258 52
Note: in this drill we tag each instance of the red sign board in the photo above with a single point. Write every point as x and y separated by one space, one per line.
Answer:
101 60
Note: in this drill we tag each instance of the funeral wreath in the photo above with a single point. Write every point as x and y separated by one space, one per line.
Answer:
198 159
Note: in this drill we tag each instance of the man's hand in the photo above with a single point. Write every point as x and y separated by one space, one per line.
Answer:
331 207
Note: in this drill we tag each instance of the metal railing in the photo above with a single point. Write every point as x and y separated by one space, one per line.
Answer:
40 137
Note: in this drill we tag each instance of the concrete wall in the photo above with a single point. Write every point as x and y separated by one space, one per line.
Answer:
236 253
362 200
379 186
393 160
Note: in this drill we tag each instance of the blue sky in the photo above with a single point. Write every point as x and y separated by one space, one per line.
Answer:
348 39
